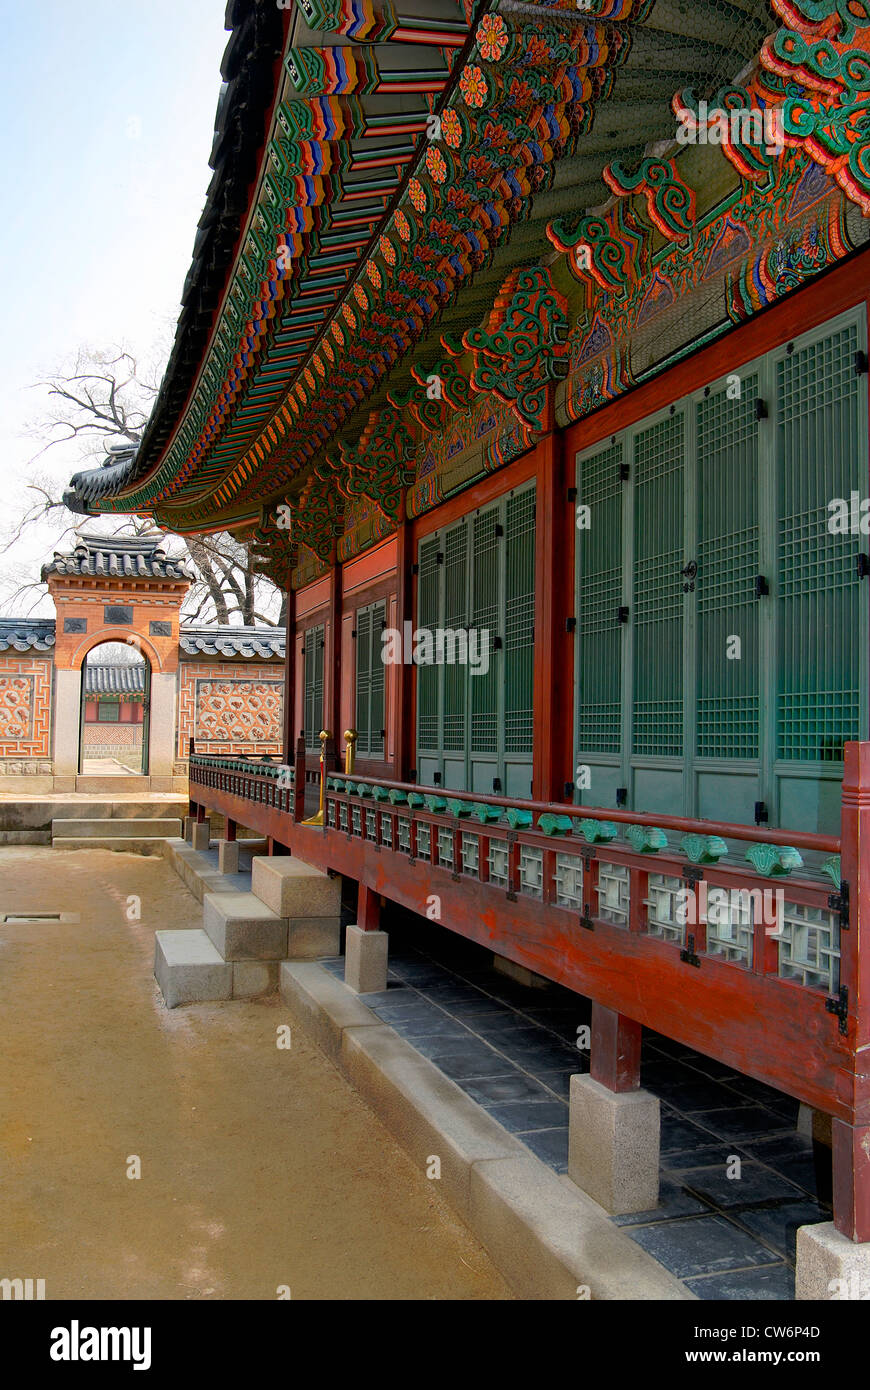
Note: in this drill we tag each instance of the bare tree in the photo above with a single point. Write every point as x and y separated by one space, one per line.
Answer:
104 399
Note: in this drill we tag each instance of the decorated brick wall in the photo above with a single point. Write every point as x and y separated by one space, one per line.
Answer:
230 709
25 709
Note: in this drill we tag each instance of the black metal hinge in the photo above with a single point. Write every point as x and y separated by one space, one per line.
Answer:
688 955
860 363
415 569
862 564
572 494
839 1004
839 902
499 529
585 919
761 586
570 624
622 615
622 796
569 788
624 472
760 813
760 409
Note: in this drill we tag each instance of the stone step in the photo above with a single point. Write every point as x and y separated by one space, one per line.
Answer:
292 888
116 827
119 783
119 844
190 970
241 927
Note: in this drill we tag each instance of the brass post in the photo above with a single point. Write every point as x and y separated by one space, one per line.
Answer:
350 738
318 819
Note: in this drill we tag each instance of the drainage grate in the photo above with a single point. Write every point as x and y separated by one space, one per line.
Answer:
10 918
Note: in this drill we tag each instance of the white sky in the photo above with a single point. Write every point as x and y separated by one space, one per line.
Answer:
107 112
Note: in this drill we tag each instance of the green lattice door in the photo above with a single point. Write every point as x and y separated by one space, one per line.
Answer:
821 609
474 719
740 666
370 673
313 646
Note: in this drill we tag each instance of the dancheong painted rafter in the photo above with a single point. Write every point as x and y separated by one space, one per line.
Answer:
415 169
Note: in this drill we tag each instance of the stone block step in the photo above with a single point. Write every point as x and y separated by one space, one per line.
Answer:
242 928
116 827
294 889
189 969
121 844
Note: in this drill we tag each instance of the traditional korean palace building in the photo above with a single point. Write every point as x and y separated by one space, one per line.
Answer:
527 344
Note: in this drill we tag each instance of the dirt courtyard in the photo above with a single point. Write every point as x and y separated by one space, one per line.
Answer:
261 1169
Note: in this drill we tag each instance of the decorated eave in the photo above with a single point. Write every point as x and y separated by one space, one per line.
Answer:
470 227
27 635
233 643
112 682
120 557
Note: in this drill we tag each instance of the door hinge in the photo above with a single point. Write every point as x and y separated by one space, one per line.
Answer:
839 902
839 1004
499 529
496 784
688 956
860 363
622 796
415 569
439 558
569 788
586 919
622 615
624 472
760 409
862 564
761 813
572 494
761 586
570 624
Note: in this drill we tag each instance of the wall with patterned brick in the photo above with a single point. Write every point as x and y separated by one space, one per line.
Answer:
229 708
25 706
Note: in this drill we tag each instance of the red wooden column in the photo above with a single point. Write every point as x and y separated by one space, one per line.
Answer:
554 605
615 1054
368 909
332 658
851 1141
404 736
289 676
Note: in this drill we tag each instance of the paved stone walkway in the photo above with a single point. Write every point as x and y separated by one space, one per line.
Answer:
513 1049
260 1167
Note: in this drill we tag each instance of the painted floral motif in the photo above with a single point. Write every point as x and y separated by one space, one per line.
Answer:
246 711
451 129
435 164
492 37
349 317
387 250
473 86
361 298
417 194
374 275
403 227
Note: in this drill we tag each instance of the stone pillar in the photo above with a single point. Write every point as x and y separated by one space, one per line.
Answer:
365 960
161 731
67 717
228 856
613 1126
201 838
